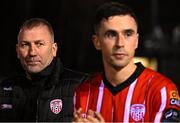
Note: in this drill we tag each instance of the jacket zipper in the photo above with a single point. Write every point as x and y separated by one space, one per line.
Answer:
37 112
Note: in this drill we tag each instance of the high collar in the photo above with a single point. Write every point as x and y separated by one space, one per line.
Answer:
44 73
49 76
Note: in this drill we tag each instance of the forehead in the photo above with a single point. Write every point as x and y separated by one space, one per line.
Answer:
35 33
121 22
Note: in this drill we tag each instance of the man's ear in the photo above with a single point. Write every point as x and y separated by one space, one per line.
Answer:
54 49
137 41
96 42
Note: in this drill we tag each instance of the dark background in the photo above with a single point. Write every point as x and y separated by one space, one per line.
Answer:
159 22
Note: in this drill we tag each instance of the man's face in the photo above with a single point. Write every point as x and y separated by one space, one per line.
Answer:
35 49
117 38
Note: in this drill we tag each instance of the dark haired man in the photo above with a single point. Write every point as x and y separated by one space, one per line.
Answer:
124 91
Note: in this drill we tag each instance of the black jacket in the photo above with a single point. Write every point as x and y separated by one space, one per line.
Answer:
47 97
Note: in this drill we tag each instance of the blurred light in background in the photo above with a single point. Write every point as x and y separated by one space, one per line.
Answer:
147 62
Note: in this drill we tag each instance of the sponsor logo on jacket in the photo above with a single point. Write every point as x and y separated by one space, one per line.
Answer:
174 94
174 98
6 106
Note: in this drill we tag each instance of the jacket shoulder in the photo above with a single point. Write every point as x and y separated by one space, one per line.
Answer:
94 79
9 80
74 75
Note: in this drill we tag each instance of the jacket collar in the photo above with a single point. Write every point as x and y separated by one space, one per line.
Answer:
49 76
55 74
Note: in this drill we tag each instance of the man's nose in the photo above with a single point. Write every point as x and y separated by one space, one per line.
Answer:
32 50
120 41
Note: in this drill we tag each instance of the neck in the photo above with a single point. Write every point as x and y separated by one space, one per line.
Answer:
117 76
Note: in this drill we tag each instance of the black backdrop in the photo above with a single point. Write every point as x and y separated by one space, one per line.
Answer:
72 23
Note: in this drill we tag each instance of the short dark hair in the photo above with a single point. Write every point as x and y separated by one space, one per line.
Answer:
35 22
109 9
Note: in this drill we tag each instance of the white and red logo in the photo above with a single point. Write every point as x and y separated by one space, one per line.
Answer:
137 111
56 106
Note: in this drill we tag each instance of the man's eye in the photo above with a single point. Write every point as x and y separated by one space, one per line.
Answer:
128 34
24 45
110 34
39 44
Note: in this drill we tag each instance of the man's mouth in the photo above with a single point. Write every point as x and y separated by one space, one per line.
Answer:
32 63
119 55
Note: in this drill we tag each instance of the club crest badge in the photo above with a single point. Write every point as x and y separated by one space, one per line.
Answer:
137 111
56 106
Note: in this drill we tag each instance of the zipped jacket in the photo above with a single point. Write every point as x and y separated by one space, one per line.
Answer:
47 98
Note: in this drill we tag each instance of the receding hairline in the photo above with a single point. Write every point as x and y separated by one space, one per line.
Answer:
34 23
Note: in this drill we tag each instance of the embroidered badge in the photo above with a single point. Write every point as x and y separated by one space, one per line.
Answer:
56 106
137 111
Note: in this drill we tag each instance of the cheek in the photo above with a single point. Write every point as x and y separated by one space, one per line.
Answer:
21 53
132 45
46 54
132 49
107 50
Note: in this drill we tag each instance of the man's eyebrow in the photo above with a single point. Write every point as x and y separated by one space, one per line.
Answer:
23 41
110 31
129 30
39 41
